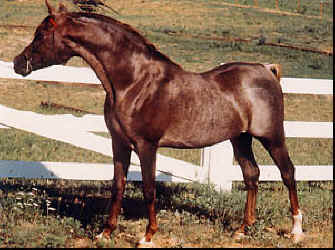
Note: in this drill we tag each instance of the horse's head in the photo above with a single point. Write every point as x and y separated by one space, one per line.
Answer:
47 47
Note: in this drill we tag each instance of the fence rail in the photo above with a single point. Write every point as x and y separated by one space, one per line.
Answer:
60 73
217 161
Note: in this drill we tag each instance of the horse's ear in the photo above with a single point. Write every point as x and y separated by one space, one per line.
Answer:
51 10
62 8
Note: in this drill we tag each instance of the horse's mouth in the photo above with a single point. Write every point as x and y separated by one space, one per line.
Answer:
22 66
23 73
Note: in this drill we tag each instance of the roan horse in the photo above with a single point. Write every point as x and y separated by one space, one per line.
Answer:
152 102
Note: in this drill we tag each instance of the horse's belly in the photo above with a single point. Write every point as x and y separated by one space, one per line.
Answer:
197 135
194 142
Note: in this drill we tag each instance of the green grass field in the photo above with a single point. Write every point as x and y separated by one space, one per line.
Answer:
187 32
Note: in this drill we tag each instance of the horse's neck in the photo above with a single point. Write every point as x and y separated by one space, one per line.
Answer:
116 63
95 64
122 69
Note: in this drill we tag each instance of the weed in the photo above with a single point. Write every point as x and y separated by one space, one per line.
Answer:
191 206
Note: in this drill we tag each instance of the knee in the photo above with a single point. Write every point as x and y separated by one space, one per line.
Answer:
289 182
251 179
118 189
251 184
288 177
149 194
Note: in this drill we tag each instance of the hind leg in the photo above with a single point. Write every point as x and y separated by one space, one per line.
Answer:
245 157
278 151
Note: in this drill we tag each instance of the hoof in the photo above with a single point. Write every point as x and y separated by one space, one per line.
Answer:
145 244
238 235
271 230
103 236
298 237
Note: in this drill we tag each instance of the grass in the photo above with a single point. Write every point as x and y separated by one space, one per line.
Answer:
57 214
310 8
200 217
32 93
18 145
154 18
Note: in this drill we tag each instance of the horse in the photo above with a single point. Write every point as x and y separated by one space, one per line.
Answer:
153 102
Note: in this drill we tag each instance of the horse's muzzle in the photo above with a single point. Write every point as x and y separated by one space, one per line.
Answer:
22 65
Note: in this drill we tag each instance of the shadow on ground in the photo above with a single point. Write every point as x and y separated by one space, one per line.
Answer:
90 201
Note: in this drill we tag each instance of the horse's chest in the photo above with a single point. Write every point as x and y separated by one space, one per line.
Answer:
116 126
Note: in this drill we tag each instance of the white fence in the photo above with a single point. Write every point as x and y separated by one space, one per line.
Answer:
217 161
62 73
78 132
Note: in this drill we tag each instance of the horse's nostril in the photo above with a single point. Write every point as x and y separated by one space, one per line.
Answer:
16 64
15 61
22 65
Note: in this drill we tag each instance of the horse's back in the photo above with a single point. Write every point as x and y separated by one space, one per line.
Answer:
231 75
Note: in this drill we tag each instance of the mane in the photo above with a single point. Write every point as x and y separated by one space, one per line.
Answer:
127 30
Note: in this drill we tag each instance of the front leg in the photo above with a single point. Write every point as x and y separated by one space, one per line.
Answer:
121 158
147 154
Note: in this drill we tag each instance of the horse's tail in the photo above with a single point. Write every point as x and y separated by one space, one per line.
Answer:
275 69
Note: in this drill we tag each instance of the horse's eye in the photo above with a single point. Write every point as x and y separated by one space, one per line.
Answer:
40 35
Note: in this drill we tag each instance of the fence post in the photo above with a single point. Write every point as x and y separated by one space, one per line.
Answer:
217 162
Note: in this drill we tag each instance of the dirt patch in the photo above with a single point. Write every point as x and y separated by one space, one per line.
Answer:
272 11
12 41
80 243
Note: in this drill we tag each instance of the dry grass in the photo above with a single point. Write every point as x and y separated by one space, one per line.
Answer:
32 93
189 215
